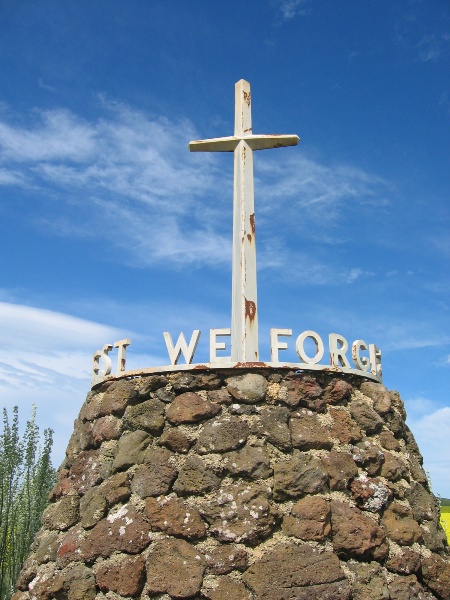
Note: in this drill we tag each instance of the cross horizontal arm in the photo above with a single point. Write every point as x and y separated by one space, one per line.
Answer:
223 144
264 142
256 142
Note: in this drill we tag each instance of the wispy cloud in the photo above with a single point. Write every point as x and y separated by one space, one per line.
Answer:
433 47
164 203
288 9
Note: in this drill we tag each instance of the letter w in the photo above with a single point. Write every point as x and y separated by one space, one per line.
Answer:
181 347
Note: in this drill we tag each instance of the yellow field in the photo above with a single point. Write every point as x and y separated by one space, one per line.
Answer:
445 520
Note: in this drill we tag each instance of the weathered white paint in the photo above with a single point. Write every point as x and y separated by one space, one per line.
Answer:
275 343
214 345
244 306
338 350
181 347
102 354
364 366
361 362
121 346
300 347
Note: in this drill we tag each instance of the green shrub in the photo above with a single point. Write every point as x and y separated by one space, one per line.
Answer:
26 477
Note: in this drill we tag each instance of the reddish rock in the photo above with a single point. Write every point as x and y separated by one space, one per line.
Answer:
302 390
340 468
123 530
301 475
62 487
222 434
122 574
288 571
356 535
176 440
106 428
344 428
223 559
156 476
436 575
308 433
174 517
86 470
337 391
239 513
274 426
174 567
370 494
220 397
69 549
310 519
191 408
227 588
405 562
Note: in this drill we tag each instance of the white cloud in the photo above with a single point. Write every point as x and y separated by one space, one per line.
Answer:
46 359
162 202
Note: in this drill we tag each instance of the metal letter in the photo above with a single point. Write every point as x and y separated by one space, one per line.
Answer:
214 345
181 347
121 345
275 343
103 354
299 347
361 362
337 353
375 361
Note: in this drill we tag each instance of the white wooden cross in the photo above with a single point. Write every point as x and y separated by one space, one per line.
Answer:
244 313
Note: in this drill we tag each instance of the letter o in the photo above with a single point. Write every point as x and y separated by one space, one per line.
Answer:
301 350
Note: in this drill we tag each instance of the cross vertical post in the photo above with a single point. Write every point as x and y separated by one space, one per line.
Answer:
244 302
244 309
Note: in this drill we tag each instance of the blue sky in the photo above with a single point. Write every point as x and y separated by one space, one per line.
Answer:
110 228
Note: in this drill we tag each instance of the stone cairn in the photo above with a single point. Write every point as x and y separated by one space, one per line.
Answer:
241 485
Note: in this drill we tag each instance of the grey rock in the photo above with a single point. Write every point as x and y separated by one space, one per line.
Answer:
249 388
